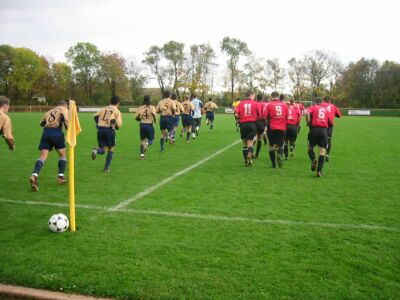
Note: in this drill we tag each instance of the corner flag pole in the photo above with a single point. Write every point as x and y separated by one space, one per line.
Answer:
74 129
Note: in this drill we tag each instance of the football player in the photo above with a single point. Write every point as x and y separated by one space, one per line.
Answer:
5 123
146 115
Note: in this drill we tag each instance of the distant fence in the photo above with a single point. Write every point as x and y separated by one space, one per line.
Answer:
221 109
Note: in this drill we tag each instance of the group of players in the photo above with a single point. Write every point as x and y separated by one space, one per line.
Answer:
276 119
280 122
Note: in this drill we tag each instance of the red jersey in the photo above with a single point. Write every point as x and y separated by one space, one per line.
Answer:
301 107
261 108
319 116
333 111
277 114
247 111
294 115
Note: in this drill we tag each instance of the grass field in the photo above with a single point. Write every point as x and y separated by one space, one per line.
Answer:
218 231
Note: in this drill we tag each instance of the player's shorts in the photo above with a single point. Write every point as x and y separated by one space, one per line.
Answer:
260 126
210 116
330 131
248 130
52 138
146 131
197 122
291 132
105 137
187 120
176 121
166 122
318 136
276 137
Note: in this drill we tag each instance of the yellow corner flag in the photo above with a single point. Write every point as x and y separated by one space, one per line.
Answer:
74 128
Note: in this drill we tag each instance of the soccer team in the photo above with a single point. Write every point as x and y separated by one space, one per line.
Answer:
281 122
257 120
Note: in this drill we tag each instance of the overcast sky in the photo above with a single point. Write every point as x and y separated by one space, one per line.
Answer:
272 29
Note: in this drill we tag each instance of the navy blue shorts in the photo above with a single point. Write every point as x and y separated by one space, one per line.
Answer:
52 137
166 122
176 121
105 137
187 120
146 132
210 116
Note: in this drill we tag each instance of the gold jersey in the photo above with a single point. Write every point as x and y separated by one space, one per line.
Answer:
188 107
166 107
109 116
146 114
210 106
6 128
179 108
56 118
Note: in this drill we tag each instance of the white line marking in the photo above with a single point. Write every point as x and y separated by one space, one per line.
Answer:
215 217
168 179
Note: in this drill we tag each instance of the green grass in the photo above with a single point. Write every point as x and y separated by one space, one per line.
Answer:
175 243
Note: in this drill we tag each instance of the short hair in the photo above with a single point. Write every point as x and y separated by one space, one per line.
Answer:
291 100
167 94
62 103
174 97
281 97
318 100
193 96
4 101
249 93
146 100
114 100
326 98
259 97
274 94
209 98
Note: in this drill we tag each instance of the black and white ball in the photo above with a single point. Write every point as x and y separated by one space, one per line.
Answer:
58 223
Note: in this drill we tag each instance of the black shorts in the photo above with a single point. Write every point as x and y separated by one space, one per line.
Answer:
187 120
291 132
210 116
248 130
330 131
105 137
52 137
147 132
260 126
167 122
318 136
276 137
196 122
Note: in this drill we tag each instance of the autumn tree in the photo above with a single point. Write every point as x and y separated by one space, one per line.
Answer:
153 59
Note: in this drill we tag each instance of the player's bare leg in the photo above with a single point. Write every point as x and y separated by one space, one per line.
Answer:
62 163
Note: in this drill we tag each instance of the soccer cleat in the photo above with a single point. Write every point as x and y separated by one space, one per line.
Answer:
319 174
291 151
327 158
249 162
107 171
142 156
314 165
246 162
94 153
34 183
279 160
61 180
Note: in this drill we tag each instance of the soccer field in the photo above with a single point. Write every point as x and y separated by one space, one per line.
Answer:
195 223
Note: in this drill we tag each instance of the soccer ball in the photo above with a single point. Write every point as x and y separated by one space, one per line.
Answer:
58 223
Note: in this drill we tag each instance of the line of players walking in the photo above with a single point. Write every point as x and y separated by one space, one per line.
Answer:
280 121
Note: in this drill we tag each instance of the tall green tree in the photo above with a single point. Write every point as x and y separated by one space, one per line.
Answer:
174 54
137 81
85 60
275 73
6 68
387 85
113 69
61 78
153 59
234 49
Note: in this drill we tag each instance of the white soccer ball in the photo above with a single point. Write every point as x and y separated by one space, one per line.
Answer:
58 223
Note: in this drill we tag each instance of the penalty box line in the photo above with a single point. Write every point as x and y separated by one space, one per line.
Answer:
214 218
168 179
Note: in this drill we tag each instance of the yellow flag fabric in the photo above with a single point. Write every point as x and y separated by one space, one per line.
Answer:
74 127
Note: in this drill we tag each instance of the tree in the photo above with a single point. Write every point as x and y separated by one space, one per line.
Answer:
252 74
275 73
297 77
173 52
234 49
61 78
137 80
319 65
85 59
387 85
6 68
113 69
153 59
